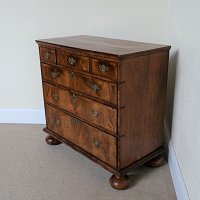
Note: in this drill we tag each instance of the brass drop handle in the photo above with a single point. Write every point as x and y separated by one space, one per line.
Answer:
75 121
94 87
103 68
57 122
55 96
95 113
73 98
55 73
46 55
71 61
72 76
96 143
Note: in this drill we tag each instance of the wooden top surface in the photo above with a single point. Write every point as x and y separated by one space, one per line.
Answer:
115 47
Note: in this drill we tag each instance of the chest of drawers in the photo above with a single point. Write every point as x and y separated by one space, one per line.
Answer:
105 98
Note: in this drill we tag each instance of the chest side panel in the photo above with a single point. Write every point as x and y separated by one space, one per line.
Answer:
143 97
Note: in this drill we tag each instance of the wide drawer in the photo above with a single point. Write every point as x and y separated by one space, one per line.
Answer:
48 55
90 139
95 87
73 60
105 68
94 112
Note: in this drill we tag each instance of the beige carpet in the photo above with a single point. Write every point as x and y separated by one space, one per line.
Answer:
32 170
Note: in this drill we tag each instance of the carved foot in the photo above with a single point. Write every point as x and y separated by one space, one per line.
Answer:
119 182
156 162
52 141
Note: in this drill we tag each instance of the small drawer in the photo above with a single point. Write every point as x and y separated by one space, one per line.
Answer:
47 55
94 112
94 87
105 68
90 139
73 61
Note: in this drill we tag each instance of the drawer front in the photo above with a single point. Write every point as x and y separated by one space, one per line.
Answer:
95 87
94 112
105 68
73 60
48 55
90 139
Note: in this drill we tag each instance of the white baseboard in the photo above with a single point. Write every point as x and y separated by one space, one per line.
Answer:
177 177
22 116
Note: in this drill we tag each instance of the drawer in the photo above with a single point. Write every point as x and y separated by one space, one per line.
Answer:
47 55
105 68
94 112
90 139
73 60
95 87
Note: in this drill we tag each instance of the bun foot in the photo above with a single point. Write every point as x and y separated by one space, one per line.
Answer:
156 162
119 182
52 141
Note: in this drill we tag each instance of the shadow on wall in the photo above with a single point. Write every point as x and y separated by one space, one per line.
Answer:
173 60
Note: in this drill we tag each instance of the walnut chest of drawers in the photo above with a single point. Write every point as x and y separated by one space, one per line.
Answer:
105 98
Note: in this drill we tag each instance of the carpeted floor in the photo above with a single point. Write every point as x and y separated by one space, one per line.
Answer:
32 170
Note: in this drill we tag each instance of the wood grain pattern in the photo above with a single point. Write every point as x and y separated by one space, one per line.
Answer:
81 62
120 48
105 68
107 91
92 140
94 112
48 55
143 95
132 94
105 98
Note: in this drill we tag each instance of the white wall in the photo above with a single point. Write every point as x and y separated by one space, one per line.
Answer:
22 21
184 33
